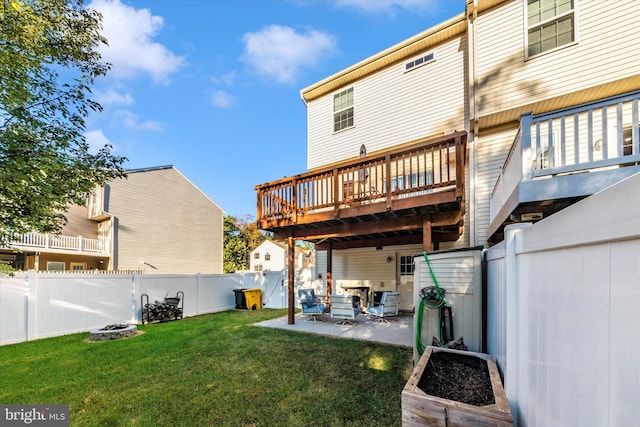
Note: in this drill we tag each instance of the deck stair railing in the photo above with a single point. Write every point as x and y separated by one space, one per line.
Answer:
594 136
404 172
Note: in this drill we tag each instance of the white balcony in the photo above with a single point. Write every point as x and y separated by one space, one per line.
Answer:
60 244
563 156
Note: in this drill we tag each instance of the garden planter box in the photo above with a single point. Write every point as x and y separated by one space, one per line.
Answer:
420 408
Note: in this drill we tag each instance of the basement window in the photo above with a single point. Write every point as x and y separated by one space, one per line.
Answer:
418 62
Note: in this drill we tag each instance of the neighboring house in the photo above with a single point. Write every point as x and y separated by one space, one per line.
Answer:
155 221
272 256
505 113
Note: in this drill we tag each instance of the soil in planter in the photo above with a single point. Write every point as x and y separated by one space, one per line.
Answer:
458 377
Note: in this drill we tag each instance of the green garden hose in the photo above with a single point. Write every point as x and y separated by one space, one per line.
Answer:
436 295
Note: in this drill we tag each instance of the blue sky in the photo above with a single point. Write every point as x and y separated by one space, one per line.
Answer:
213 86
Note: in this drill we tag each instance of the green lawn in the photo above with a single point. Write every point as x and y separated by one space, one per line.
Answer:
213 370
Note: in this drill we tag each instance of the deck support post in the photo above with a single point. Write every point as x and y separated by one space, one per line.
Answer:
291 276
426 234
329 273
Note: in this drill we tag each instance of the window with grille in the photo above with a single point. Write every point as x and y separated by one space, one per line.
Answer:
256 255
267 257
343 110
406 266
551 24
627 140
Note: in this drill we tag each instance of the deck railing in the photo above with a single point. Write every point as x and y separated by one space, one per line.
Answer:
414 170
55 241
594 136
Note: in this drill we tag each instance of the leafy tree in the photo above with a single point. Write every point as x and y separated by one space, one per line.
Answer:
241 236
48 62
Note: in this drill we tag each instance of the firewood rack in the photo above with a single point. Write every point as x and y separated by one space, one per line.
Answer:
171 308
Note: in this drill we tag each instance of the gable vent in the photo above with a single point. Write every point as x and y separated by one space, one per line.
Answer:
419 61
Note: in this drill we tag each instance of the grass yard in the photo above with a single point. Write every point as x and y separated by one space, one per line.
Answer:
213 370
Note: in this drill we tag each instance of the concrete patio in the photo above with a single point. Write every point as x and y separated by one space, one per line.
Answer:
398 332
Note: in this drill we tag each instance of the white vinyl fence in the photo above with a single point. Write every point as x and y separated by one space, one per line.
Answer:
564 312
36 305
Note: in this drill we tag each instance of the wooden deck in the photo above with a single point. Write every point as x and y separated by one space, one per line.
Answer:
389 197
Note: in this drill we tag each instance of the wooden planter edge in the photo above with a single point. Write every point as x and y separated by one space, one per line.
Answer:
419 408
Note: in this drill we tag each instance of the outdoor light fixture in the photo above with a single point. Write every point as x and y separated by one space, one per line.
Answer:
389 259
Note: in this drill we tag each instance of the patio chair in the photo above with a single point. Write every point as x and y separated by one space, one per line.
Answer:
311 305
388 307
342 307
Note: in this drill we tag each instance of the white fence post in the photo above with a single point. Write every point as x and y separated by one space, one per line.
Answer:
512 318
32 297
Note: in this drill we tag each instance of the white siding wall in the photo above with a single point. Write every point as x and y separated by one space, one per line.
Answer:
392 107
369 267
276 253
164 220
493 149
606 36
78 223
460 275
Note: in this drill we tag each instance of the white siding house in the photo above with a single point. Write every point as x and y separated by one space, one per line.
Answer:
546 96
268 256
155 221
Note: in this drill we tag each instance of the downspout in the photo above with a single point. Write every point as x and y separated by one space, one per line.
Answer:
472 16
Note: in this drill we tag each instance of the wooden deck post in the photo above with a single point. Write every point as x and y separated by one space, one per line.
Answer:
426 234
329 273
291 276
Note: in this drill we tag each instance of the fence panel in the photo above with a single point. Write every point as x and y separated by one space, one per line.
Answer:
13 309
157 287
37 305
570 305
215 292
67 303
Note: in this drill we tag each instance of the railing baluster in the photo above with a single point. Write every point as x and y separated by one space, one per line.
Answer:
563 142
635 127
550 145
605 149
576 141
620 126
590 135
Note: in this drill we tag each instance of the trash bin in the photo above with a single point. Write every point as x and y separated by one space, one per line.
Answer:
241 302
253 298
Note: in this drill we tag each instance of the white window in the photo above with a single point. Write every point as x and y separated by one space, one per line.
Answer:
267 257
256 255
418 62
343 110
627 140
550 24
78 266
55 266
407 268
257 267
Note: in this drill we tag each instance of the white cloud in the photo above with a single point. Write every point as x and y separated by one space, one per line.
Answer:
113 97
130 121
281 53
97 140
222 99
389 6
131 49
225 80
